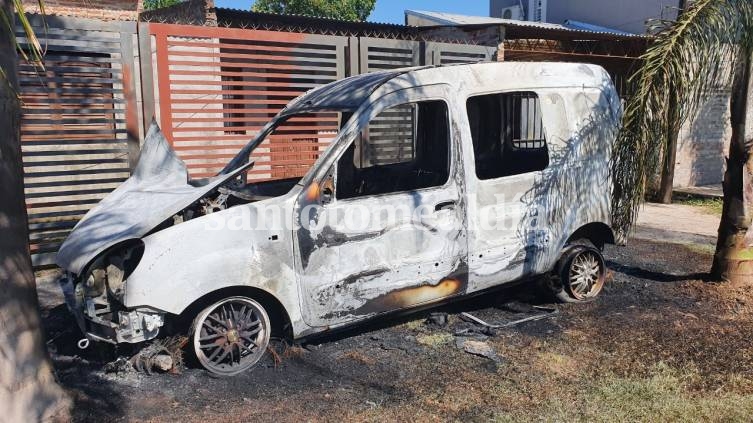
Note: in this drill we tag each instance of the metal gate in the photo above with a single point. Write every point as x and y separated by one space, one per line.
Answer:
79 127
218 86
449 54
380 54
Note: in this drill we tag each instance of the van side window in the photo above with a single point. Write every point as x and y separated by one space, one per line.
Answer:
403 148
508 134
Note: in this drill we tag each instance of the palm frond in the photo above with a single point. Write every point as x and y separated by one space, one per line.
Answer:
684 63
33 52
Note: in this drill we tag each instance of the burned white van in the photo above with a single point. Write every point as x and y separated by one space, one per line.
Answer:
440 182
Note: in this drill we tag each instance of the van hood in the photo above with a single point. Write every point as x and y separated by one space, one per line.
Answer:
158 189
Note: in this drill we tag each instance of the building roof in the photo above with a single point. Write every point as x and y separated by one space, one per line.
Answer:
198 13
573 24
442 18
229 16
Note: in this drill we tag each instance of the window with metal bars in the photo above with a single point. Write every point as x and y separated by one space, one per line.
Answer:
508 134
523 117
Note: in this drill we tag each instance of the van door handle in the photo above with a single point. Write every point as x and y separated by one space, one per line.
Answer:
445 205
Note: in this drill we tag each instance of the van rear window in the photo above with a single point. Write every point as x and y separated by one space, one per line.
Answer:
508 134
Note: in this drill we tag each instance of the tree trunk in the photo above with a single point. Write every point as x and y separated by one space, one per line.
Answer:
28 390
668 169
667 182
733 260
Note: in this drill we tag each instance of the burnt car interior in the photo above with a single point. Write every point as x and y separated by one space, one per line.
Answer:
296 144
403 148
260 190
508 134
295 140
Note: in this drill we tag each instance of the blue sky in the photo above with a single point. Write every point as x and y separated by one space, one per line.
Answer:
391 11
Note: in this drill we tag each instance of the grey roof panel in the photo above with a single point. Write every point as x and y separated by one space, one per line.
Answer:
585 26
443 18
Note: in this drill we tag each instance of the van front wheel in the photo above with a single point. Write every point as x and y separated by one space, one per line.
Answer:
231 335
580 273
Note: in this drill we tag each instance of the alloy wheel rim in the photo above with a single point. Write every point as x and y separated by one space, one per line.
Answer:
586 275
231 336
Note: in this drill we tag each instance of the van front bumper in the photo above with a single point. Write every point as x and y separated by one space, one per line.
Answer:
99 320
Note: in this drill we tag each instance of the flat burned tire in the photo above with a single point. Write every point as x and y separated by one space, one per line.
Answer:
231 335
580 273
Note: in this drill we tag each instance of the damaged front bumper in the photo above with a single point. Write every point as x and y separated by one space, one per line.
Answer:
100 319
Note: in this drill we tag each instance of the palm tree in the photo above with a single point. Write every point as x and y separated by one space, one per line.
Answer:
28 391
710 44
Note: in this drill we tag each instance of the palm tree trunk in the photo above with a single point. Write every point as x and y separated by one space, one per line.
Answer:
733 260
668 169
667 182
28 390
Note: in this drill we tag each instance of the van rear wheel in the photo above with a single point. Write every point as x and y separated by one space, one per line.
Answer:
231 335
580 273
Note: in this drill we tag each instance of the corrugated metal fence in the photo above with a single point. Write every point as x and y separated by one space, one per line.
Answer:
211 89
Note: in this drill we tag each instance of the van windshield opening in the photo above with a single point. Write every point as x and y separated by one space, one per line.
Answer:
287 147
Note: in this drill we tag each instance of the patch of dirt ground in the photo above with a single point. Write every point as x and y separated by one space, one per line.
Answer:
658 344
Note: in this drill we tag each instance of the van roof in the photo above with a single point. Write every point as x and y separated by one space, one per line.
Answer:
349 93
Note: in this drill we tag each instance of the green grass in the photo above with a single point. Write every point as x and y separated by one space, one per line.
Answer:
701 248
435 340
414 325
708 205
663 395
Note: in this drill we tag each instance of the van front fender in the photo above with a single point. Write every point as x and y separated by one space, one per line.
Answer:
185 262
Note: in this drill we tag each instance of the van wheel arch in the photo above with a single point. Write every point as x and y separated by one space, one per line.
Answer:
598 233
278 316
